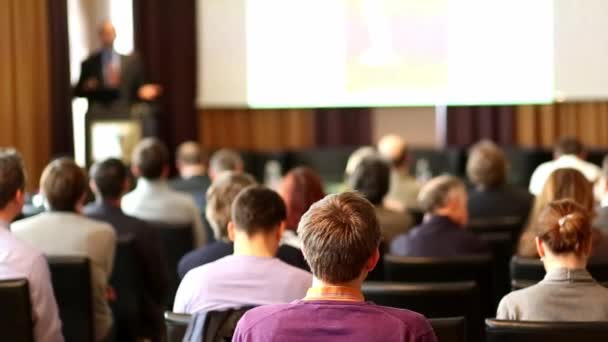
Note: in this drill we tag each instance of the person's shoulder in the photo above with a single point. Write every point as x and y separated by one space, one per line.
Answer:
293 271
257 316
412 321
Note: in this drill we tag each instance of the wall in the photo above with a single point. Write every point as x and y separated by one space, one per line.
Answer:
417 125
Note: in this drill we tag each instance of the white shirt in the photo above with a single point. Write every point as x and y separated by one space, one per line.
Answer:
156 201
65 233
591 171
19 260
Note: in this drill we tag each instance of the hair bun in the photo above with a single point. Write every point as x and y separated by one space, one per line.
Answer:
569 228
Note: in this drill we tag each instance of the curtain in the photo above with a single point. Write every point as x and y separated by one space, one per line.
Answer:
469 124
25 103
343 126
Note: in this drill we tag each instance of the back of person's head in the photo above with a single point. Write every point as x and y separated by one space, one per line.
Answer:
225 160
12 176
356 157
109 177
565 227
568 146
258 209
393 148
190 153
445 195
340 234
63 184
151 159
567 183
487 165
220 196
300 188
371 179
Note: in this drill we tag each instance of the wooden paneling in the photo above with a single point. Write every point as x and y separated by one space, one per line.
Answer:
24 82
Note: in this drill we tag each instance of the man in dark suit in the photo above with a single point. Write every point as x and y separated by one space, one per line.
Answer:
110 81
109 181
442 234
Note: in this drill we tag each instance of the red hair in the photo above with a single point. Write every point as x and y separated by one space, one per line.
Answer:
300 188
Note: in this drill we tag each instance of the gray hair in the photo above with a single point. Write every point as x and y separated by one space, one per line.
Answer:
225 160
435 193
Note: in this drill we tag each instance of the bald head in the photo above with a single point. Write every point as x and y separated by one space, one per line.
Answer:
107 34
393 148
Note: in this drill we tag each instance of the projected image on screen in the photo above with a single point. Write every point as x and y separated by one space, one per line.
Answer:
319 53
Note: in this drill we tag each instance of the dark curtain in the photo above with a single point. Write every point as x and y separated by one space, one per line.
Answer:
165 38
62 142
469 124
342 126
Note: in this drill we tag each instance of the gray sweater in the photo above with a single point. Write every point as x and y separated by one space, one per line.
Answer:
563 295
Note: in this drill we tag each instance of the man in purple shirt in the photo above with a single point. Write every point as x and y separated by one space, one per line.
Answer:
340 238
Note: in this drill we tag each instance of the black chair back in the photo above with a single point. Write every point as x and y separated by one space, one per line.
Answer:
71 278
176 325
15 311
501 244
177 240
433 300
214 326
529 271
125 281
523 331
506 224
451 329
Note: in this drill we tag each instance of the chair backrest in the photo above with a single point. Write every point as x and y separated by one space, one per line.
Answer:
501 244
71 278
529 271
450 329
433 300
214 326
503 224
177 240
15 311
125 281
176 325
522 331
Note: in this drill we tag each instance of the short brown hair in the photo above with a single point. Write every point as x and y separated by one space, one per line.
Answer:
150 156
258 209
487 165
339 234
220 196
434 194
63 184
190 153
565 227
225 160
568 146
12 175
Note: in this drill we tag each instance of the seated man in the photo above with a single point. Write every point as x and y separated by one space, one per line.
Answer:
225 160
442 234
252 275
220 196
404 188
340 238
371 178
153 199
63 231
109 182
20 260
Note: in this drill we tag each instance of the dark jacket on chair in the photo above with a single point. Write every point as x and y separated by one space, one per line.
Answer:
438 237
503 201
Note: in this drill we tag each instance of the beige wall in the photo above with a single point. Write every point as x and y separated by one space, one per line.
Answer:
416 124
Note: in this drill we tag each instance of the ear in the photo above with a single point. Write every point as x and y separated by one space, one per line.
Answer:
372 261
280 230
231 231
80 203
540 248
135 171
20 197
93 186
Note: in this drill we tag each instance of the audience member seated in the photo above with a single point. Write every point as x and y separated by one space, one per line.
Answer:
300 188
340 237
18 259
191 163
252 275
404 188
601 193
225 160
371 178
109 181
153 199
568 292
490 196
563 184
62 230
442 234
220 196
568 153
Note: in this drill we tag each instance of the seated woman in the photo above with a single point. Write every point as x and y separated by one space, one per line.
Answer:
563 184
568 292
300 188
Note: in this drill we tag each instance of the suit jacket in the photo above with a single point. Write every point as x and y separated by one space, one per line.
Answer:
131 78
220 249
151 261
197 187
438 237
503 201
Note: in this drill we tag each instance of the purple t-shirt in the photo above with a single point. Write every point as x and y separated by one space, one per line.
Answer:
330 321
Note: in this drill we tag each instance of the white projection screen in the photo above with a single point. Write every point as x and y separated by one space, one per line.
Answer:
374 53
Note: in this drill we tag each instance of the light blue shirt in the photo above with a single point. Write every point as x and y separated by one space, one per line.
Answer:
19 260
